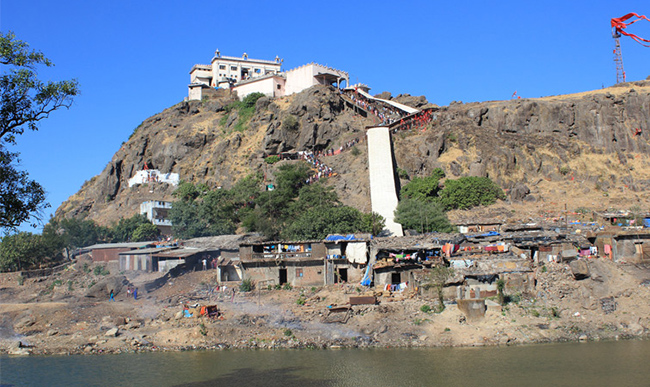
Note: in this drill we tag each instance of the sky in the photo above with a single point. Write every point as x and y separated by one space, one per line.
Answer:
132 58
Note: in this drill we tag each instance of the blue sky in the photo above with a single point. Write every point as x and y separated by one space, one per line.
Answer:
132 58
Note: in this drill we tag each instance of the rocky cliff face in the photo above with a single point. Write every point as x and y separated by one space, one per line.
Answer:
587 143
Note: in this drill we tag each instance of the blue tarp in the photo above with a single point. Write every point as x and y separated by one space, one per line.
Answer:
349 237
487 234
367 278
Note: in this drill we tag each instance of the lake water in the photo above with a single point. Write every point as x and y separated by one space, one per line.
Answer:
620 363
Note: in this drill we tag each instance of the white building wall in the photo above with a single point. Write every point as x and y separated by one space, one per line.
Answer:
267 86
299 79
195 92
154 176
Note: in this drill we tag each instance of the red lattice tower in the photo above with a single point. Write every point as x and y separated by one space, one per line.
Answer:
618 26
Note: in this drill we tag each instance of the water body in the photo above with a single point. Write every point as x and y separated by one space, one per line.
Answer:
622 363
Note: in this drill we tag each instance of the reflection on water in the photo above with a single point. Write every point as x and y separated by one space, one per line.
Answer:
282 377
593 364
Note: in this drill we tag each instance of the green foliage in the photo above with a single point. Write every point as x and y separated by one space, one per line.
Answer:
301 300
145 232
20 197
501 285
437 278
424 189
101 270
425 308
74 233
246 285
23 250
203 330
468 192
403 174
372 223
564 170
288 333
25 100
277 287
287 286
355 151
318 222
125 228
250 100
422 216
290 123
272 159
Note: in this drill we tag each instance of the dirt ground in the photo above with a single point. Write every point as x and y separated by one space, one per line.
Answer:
53 316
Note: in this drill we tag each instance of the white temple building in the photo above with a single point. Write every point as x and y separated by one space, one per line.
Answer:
246 76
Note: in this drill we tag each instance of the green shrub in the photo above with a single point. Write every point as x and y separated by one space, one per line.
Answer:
203 330
246 285
425 308
290 123
355 151
564 170
288 333
468 192
402 174
101 270
301 301
272 159
287 286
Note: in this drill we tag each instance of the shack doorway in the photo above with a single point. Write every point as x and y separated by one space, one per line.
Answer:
395 278
341 276
283 276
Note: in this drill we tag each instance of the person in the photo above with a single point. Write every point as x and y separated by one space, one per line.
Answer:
112 297
128 291
233 295
135 293
205 264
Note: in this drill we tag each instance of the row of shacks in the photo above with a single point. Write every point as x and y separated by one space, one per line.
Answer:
394 264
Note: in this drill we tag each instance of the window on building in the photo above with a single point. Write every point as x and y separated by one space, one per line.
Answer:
222 67
233 68
278 86
258 71
298 272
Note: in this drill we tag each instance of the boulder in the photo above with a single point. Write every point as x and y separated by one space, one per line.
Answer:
579 269
519 192
112 332
102 289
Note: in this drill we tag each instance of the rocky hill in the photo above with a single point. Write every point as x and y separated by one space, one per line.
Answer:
588 150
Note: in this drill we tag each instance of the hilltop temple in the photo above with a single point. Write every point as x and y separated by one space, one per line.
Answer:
245 76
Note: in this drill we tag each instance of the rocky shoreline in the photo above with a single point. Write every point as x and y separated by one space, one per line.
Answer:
53 316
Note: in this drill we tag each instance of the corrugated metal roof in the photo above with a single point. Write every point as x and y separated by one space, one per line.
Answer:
151 250
179 253
131 245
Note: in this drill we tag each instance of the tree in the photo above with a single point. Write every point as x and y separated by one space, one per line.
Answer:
73 233
422 216
437 278
20 197
470 191
423 188
373 223
24 102
320 221
22 250
145 232
123 231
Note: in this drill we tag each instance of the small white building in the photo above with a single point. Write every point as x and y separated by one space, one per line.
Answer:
247 76
158 213
154 176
